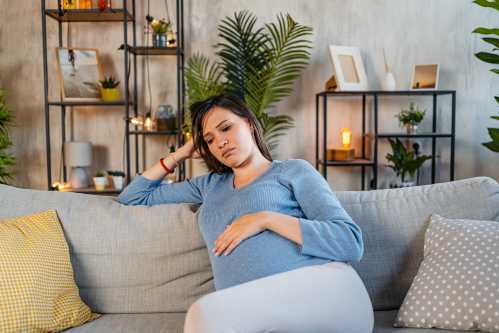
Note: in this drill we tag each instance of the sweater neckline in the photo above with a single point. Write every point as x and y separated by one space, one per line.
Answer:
234 189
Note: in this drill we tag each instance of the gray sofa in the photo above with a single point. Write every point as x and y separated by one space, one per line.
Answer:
143 266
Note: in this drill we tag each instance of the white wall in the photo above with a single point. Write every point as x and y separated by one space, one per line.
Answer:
423 31
426 31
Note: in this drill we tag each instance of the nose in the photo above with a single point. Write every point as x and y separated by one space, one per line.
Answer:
222 143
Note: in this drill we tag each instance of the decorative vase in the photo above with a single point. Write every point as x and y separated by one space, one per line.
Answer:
159 40
110 94
166 118
408 181
411 128
389 82
100 183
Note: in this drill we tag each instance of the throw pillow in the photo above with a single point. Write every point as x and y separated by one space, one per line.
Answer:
37 288
457 284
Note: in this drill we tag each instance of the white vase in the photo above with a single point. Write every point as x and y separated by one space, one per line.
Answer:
389 82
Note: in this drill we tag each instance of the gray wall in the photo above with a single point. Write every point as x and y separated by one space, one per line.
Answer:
426 31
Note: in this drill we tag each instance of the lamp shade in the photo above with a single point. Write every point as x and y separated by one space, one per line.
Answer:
78 153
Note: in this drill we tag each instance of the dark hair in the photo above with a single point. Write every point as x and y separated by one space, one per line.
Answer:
236 106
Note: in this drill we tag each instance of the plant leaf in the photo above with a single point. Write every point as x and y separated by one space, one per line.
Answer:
493 41
488 57
486 31
202 81
494 133
488 3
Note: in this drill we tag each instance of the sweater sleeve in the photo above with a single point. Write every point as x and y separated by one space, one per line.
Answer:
143 191
327 229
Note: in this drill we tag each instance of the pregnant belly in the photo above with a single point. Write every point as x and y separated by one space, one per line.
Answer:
262 255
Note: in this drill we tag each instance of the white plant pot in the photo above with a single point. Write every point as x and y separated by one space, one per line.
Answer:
118 182
100 183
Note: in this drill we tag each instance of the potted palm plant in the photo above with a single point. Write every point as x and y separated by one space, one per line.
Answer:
109 91
491 58
7 161
257 64
405 162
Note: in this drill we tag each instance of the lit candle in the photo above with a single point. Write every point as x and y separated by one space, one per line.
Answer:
346 137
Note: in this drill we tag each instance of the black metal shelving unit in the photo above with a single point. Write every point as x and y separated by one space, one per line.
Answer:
372 161
125 16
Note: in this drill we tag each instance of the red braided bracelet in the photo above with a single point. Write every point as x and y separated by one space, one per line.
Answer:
167 169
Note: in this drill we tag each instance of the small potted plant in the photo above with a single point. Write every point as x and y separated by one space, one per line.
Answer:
411 118
118 178
109 92
100 181
405 162
159 29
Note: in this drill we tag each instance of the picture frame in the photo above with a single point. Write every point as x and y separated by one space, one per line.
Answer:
348 68
79 71
425 77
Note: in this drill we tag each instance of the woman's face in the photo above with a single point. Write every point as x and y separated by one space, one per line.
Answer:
228 136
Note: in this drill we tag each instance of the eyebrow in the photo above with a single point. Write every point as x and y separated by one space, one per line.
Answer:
219 124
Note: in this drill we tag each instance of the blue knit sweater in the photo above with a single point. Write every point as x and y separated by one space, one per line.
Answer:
291 187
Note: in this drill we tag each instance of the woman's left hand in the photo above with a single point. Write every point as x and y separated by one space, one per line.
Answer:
242 228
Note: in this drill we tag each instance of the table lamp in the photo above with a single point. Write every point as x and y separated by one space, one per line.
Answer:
78 155
346 153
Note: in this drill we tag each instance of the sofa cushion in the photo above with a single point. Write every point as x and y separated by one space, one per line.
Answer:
457 284
383 323
393 222
134 323
126 259
37 287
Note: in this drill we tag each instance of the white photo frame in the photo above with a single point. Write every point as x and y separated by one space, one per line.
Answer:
425 77
348 68
79 72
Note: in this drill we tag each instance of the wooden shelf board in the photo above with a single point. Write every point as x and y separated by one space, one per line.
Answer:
356 162
89 15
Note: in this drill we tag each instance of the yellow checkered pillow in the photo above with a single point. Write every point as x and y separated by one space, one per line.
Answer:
37 288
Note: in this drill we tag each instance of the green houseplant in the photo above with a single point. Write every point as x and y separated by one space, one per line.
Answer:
491 58
257 64
118 178
109 91
100 180
7 161
405 161
411 118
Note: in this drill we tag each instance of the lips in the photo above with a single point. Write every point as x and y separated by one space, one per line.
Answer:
228 152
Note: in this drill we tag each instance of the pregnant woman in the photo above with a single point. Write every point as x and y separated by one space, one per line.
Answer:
279 241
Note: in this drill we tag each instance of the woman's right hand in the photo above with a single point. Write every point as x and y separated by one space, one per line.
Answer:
187 150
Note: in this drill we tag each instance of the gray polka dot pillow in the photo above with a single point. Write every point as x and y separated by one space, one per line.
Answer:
457 284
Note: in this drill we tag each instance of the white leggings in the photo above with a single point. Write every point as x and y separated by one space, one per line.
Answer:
329 298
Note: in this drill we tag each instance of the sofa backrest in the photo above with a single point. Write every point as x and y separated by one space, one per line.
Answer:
394 222
126 259
133 259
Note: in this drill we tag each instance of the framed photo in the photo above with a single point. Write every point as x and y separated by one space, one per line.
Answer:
348 67
424 77
79 72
